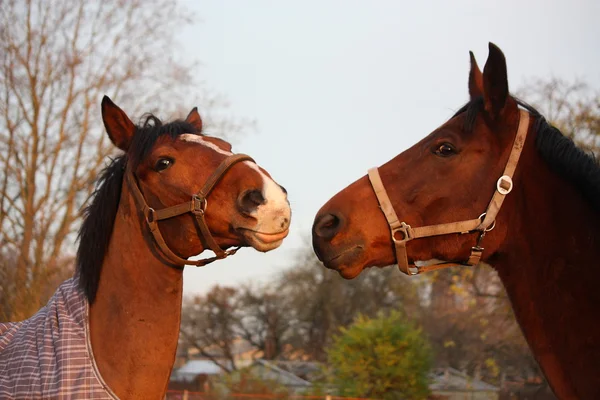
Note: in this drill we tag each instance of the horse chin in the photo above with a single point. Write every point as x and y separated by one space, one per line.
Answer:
349 263
263 241
351 271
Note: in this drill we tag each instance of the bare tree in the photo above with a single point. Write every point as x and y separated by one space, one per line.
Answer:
295 315
573 107
228 320
208 323
317 301
471 326
57 60
263 320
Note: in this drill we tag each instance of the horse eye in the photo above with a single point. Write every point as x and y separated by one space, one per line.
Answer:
445 150
162 164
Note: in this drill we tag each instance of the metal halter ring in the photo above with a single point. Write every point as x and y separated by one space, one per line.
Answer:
199 205
482 217
404 229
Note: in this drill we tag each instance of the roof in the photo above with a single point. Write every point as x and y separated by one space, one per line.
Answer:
307 370
190 370
268 370
453 379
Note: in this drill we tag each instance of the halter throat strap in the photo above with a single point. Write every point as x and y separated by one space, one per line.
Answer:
196 206
401 232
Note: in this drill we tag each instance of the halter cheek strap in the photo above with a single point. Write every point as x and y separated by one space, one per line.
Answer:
402 232
196 206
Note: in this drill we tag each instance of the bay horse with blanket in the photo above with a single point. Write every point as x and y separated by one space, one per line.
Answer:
111 331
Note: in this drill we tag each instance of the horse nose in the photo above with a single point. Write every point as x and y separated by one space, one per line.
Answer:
327 225
249 201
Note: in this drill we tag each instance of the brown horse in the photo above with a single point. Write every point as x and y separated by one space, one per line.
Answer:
540 230
174 193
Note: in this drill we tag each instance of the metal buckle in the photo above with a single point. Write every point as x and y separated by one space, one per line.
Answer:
476 254
199 205
405 229
504 184
150 215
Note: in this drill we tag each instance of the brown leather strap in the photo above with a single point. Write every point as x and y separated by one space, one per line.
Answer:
173 211
207 237
383 198
402 232
433 267
200 201
219 172
475 257
175 259
196 206
443 229
137 195
504 184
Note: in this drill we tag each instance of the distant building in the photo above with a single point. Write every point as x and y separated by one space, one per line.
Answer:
194 376
451 384
298 377
308 370
270 371
242 351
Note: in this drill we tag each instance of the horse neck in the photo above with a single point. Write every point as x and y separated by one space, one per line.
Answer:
134 321
549 267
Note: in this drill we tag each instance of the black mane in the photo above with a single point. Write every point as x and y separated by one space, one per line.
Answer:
99 216
559 151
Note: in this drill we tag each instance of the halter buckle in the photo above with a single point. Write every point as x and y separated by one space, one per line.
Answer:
150 215
405 230
475 257
200 205
504 184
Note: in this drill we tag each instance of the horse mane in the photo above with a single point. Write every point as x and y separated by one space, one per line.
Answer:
563 156
99 216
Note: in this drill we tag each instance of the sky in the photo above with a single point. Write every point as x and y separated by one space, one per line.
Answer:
337 87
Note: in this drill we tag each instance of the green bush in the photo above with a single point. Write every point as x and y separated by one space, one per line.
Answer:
386 357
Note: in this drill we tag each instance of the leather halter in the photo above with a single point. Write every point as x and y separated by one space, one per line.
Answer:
197 206
402 232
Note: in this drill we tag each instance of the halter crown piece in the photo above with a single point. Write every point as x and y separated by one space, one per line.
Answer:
197 206
402 232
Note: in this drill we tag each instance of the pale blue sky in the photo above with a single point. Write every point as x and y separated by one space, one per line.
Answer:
337 87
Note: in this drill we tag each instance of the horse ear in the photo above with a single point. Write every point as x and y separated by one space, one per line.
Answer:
194 119
495 82
475 79
119 127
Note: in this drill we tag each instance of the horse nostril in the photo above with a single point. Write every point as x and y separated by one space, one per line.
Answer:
327 226
250 200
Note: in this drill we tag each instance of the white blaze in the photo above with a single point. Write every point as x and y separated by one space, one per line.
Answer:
190 137
274 215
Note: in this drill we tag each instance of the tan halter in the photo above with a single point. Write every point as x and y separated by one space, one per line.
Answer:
196 206
402 232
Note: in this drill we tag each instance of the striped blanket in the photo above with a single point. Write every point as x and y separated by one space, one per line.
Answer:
48 356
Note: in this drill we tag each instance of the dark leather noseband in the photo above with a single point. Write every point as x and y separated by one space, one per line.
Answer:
196 206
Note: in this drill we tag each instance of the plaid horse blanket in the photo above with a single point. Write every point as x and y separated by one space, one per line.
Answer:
48 356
